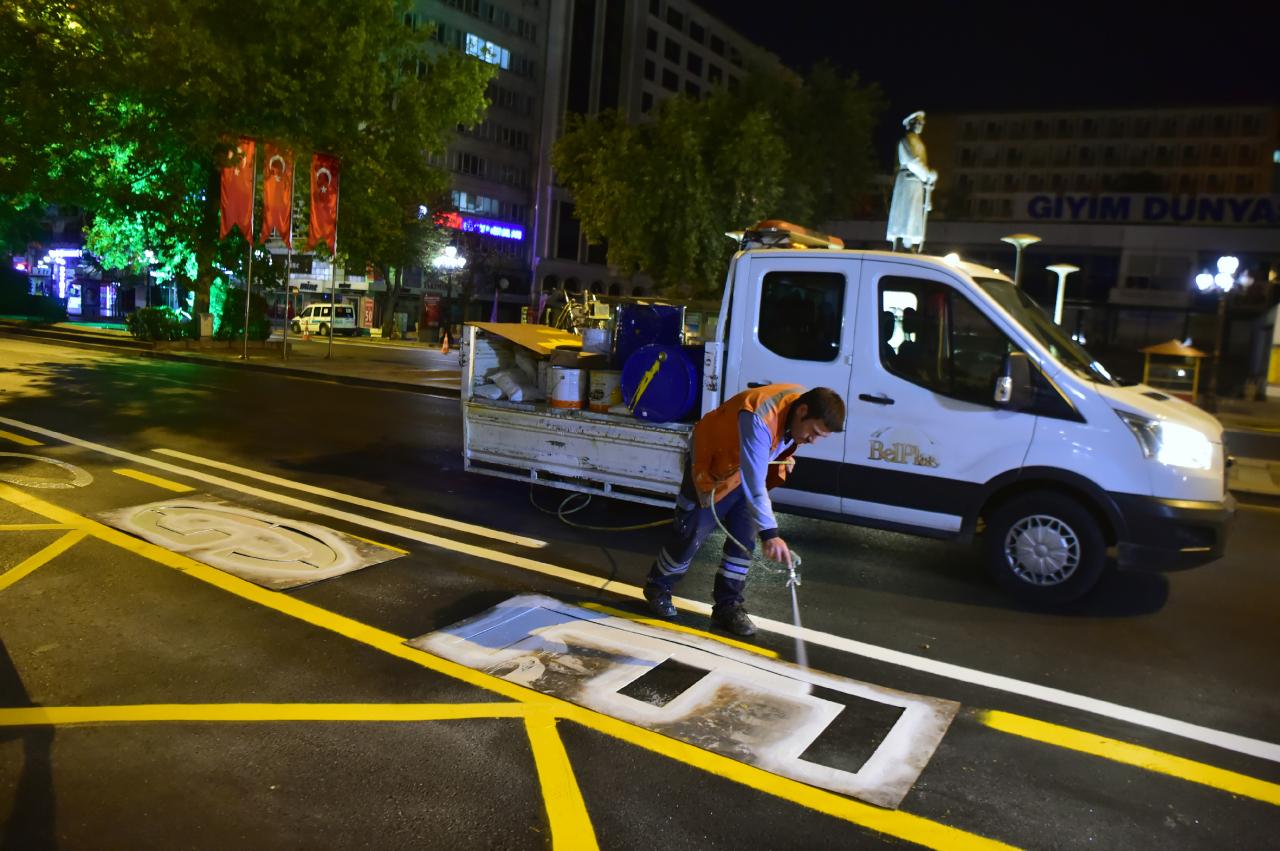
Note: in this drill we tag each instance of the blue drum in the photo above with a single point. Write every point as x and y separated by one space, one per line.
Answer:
642 324
663 383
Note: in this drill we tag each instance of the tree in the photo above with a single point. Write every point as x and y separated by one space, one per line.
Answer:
137 102
663 193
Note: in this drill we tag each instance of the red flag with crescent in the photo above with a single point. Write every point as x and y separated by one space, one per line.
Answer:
324 202
277 193
237 190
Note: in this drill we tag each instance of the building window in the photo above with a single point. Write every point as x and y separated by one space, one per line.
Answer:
692 88
655 7
696 32
1190 155
675 19
1246 155
670 81
714 74
733 84
672 51
646 101
1244 183
693 62
650 70
651 40
488 51
717 45
1142 128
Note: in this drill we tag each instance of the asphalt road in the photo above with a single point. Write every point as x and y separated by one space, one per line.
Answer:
1179 664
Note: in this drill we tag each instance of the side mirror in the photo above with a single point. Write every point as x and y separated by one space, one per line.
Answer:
1013 386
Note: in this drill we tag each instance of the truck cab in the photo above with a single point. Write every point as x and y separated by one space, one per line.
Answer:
969 409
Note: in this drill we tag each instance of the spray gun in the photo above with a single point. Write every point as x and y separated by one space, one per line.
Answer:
793 571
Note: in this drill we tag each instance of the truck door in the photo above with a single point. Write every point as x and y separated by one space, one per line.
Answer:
924 433
798 316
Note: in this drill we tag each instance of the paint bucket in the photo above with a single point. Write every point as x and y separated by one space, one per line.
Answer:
595 340
606 390
568 387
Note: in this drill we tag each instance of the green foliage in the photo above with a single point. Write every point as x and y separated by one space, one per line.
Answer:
217 302
663 193
126 108
230 322
158 323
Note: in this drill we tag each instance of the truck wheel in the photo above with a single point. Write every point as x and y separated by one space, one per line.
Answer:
1045 548
324 330
296 328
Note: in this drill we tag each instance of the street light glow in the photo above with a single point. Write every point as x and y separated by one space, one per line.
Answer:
1204 282
1228 265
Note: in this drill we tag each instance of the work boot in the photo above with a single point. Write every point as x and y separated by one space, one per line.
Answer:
733 619
659 601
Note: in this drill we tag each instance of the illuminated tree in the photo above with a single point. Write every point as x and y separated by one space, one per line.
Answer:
125 107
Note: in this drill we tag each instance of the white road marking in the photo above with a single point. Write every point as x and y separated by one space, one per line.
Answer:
314 507
1230 741
314 490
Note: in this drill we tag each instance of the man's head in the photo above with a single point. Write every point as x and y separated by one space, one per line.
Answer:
817 413
914 122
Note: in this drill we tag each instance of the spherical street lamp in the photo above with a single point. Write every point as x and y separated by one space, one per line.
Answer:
1224 282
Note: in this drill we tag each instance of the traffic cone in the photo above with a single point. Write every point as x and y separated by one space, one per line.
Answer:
444 345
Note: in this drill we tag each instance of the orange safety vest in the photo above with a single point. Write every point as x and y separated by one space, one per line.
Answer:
716 460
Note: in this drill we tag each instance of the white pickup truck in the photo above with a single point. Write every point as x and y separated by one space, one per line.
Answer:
969 411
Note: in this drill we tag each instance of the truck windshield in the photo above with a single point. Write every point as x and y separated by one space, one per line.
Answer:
1038 324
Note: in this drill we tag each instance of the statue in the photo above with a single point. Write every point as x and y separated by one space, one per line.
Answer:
912 189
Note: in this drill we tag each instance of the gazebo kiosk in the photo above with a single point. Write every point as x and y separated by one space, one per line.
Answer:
1173 368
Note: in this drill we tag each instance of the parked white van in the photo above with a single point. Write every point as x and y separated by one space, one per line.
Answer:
969 413
320 319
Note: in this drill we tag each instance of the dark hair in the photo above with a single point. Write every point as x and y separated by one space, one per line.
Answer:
824 404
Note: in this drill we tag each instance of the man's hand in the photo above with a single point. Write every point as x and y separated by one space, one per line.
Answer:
777 550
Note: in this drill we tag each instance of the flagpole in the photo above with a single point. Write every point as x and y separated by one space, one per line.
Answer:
288 265
333 271
248 281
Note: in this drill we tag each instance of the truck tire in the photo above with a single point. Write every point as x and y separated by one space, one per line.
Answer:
1045 548
324 330
296 327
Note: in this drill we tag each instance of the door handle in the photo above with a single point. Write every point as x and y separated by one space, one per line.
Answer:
875 400
758 383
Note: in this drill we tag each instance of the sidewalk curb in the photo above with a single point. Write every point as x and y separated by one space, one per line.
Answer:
356 381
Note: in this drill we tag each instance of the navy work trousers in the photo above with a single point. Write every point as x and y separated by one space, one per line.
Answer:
689 530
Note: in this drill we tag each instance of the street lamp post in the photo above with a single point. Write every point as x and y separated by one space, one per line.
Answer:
1061 270
448 261
1224 282
1019 241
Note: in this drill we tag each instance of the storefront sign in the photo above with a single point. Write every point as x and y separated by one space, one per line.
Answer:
1204 210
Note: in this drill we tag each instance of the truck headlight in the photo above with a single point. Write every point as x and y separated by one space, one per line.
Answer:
1170 443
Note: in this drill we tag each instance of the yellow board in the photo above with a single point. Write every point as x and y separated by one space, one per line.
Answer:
538 338
1273 374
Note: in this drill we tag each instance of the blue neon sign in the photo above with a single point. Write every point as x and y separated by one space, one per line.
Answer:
489 227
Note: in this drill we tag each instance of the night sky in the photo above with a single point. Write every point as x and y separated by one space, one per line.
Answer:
994 55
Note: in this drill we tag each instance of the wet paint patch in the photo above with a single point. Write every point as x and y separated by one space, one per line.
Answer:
844 735
271 551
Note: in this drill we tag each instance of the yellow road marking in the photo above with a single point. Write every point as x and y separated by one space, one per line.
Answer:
894 823
31 527
675 627
251 712
376 543
1130 754
566 811
57 548
154 480
19 439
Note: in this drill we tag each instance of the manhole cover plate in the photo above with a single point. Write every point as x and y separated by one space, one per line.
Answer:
274 552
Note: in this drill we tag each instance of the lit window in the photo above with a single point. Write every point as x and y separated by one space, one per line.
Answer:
487 51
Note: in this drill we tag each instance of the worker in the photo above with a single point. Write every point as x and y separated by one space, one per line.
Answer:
739 451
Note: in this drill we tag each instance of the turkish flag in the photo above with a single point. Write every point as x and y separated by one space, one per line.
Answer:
324 202
237 190
277 193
